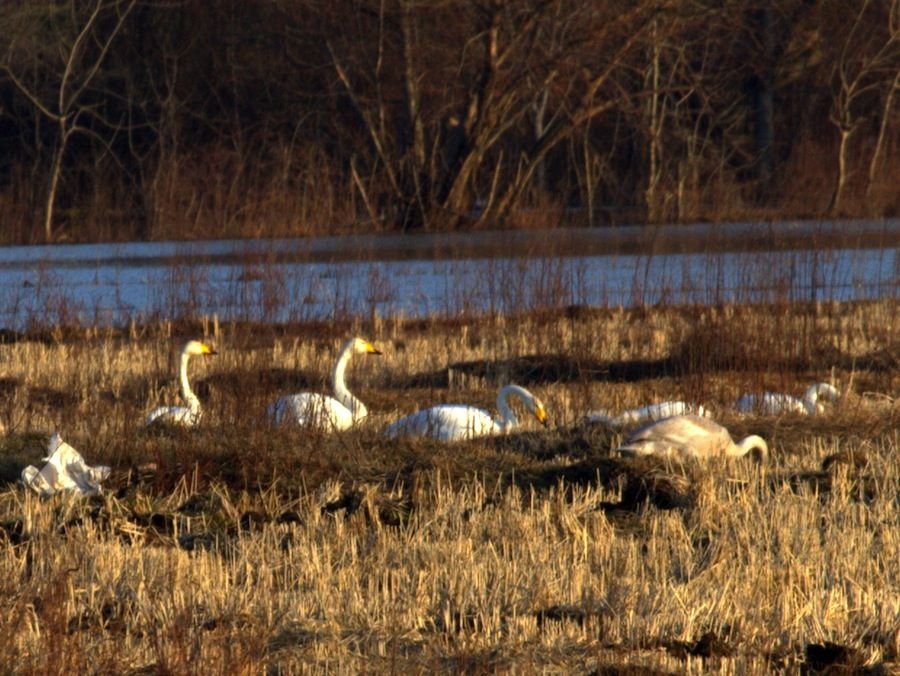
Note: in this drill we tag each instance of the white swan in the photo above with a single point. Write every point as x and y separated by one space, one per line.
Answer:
776 403
657 411
319 410
65 471
188 415
451 422
689 436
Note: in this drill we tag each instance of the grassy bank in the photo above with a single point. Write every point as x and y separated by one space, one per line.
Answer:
238 548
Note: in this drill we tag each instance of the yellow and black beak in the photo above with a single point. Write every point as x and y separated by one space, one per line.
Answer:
371 349
541 415
206 349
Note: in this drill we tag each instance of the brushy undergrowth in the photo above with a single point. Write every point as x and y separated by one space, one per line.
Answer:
237 548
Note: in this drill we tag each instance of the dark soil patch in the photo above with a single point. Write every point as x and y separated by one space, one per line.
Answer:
834 658
709 644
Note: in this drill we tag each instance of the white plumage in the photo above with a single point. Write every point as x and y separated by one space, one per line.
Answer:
777 403
452 422
319 410
187 416
657 411
689 436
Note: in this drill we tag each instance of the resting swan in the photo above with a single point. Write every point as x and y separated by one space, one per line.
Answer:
451 422
658 411
189 415
689 436
776 403
340 412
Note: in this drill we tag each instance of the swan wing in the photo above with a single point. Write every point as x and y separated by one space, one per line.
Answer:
770 403
173 415
746 403
657 411
311 409
601 417
445 423
775 403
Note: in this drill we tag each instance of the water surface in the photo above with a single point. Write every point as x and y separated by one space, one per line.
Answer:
447 274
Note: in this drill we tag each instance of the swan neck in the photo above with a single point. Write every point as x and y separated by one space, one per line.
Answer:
190 398
750 443
508 418
341 393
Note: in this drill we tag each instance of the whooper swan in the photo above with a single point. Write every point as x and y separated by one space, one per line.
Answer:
340 412
451 422
657 411
65 471
776 403
189 415
689 436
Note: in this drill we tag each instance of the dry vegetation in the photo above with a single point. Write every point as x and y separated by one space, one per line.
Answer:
141 119
245 549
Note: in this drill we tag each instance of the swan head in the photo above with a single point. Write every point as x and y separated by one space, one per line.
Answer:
195 348
534 406
537 409
362 346
824 391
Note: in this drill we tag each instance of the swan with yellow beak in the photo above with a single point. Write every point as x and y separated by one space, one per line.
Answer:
452 422
187 416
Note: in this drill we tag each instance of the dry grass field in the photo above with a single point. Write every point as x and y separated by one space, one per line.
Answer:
238 548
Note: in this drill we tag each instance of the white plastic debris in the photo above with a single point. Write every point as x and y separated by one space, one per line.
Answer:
65 471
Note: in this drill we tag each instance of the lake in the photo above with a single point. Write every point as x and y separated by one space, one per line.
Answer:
448 274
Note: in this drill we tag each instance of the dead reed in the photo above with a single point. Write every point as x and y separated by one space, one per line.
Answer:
247 549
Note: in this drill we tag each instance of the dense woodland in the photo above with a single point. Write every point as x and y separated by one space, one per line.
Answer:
152 119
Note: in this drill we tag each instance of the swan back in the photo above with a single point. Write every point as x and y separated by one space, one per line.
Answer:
771 403
446 422
311 409
657 411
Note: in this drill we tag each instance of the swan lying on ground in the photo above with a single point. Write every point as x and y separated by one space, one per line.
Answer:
776 403
451 422
689 436
65 471
658 411
189 415
319 410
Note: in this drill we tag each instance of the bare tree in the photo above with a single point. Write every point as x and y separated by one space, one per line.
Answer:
893 89
78 55
462 101
868 61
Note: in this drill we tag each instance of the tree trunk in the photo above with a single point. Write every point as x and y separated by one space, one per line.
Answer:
882 132
763 105
55 170
838 197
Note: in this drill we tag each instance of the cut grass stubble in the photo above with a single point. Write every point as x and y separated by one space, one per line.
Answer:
249 547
